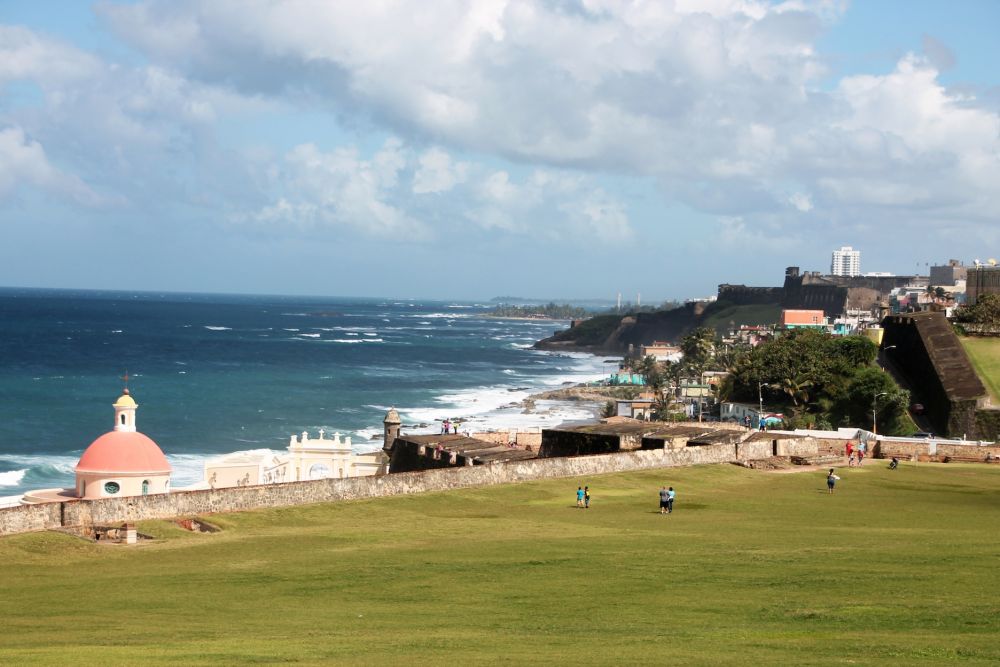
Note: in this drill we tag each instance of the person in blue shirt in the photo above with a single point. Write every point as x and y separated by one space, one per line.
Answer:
579 496
670 500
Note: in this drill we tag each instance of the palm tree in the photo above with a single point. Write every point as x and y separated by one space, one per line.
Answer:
797 390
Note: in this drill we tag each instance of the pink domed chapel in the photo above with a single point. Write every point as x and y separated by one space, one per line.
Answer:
122 462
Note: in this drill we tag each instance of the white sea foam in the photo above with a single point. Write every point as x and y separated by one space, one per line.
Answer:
12 477
354 340
305 335
445 316
215 328
290 330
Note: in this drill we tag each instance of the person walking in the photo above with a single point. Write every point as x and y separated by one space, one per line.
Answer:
579 496
861 457
670 500
664 499
586 497
831 480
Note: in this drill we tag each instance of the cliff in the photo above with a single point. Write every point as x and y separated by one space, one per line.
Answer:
613 334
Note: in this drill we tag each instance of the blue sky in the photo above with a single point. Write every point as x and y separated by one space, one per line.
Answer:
559 149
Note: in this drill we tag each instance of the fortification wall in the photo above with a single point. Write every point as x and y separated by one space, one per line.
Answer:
29 518
110 511
742 295
933 450
502 437
755 449
933 361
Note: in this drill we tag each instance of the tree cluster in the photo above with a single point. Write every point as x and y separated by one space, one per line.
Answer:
819 379
985 311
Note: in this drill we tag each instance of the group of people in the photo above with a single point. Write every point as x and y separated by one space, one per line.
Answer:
448 426
855 455
667 496
666 500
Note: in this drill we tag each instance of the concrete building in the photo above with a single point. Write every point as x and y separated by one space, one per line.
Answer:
803 319
949 275
661 351
846 262
981 280
307 458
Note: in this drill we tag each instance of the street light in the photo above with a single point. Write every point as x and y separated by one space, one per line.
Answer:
875 411
760 403
882 352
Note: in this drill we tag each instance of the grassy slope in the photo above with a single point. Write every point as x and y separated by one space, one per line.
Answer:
749 315
985 356
753 568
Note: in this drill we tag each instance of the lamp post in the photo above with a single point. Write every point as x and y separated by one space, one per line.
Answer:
760 404
875 411
882 351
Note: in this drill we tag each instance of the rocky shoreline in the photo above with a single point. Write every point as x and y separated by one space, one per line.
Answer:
593 397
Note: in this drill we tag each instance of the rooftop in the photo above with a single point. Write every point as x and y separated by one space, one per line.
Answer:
470 448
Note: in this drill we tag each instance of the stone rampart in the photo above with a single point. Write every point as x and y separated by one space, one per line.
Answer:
109 511
29 518
931 449
933 361
754 449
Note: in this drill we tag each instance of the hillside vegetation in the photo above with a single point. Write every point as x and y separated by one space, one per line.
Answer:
984 353
896 568
614 333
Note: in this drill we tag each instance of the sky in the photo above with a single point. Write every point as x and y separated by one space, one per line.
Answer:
464 150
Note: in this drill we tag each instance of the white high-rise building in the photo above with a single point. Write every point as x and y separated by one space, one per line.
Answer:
846 262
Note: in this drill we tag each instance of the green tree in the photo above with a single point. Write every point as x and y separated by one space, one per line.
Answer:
797 389
649 367
698 348
859 400
985 311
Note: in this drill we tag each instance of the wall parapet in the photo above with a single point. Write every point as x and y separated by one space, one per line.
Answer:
109 511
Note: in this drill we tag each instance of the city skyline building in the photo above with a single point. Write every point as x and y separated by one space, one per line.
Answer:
846 262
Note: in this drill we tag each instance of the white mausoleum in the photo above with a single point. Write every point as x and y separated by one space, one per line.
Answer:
307 458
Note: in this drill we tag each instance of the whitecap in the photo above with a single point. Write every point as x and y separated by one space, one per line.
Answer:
11 477
309 335
215 328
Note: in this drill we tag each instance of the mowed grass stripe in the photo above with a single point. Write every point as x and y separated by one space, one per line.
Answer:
897 567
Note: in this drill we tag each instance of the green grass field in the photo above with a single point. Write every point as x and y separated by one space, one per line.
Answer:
985 356
898 567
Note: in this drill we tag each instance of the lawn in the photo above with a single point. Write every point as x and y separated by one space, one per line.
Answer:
897 567
985 356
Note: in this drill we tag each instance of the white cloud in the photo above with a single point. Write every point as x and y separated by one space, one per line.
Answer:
23 162
341 189
724 102
438 173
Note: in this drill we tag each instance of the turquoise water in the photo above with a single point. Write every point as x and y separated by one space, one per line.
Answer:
221 373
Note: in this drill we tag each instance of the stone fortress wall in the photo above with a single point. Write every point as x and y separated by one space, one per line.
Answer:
107 511
112 511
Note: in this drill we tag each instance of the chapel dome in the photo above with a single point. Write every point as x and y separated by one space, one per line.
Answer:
124 452
125 401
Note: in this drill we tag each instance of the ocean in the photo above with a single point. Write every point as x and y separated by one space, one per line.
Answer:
215 374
